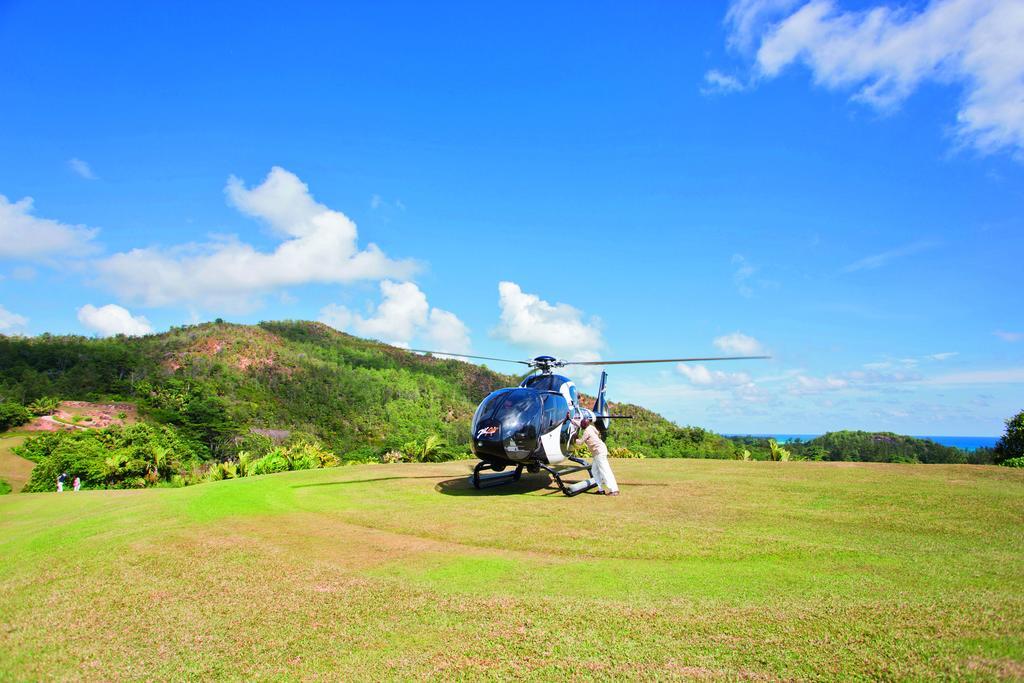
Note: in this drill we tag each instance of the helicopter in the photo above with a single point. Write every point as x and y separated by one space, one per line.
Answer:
534 426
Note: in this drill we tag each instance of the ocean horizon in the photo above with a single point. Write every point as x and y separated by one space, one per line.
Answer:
967 443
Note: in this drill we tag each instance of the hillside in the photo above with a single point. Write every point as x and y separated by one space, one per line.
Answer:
703 569
216 381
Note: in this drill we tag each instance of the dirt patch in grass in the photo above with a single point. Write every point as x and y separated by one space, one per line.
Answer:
14 469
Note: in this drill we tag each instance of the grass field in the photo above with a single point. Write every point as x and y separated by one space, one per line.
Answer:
701 569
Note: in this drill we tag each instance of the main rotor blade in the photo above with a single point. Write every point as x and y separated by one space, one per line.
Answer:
466 355
660 360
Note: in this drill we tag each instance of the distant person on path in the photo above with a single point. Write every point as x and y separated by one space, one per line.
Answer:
60 481
601 470
77 483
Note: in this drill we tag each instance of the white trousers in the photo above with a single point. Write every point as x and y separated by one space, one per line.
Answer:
602 472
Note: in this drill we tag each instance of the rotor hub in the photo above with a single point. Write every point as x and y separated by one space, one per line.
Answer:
546 363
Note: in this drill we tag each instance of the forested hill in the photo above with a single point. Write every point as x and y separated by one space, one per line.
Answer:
216 381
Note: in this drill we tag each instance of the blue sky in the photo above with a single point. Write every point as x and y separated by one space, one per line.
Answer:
837 184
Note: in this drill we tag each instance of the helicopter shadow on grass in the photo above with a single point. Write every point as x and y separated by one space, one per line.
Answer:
528 483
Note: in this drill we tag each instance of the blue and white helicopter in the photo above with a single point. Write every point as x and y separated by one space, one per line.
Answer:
534 426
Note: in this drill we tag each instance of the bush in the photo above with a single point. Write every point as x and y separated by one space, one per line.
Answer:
13 414
1013 462
5 488
46 405
271 463
623 452
392 457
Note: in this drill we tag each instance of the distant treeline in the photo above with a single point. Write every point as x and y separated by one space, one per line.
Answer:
856 446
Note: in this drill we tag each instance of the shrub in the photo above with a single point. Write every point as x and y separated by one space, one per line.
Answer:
5 488
623 452
271 463
13 414
392 457
46 405
430 450
1013 462
778 453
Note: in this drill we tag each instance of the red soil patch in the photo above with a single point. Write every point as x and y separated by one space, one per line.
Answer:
252 349
90 416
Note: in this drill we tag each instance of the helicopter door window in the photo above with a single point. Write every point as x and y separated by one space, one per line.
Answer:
554 412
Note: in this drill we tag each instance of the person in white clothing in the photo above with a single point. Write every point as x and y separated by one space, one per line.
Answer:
600 469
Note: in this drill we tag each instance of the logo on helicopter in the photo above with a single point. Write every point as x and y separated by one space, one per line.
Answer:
487 431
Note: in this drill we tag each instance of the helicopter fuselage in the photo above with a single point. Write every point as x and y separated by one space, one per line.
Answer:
534 422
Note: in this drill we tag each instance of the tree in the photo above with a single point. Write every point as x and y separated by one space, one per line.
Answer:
1011 445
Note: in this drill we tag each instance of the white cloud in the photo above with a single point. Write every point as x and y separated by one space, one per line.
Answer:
533 324
10 321
446 332
319 245
879 260
1002 376
737 342
113 319
24 236
81 169
718 83
805 384
337 316
701 376
747 18
1009 336
886 53
402 315
945 355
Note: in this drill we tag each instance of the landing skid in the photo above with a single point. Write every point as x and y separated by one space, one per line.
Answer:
485 481
572 488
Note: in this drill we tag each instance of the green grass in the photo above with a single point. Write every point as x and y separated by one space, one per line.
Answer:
701 569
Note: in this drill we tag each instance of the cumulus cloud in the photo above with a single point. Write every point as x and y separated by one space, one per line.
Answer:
10 321
701 376
24 236
402 315
884 54
446 332
81 169
319 245
737 342
1009 336
533 324
113 319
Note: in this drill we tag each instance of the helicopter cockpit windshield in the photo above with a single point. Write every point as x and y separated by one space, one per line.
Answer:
519 415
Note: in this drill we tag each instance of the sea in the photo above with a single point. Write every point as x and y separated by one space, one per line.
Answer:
967 443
